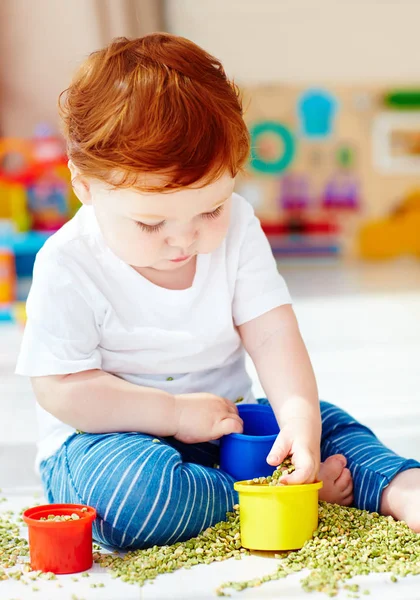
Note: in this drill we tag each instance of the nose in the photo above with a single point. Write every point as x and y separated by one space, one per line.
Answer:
183 238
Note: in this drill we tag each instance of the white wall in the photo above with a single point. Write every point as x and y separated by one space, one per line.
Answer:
305 40
43 41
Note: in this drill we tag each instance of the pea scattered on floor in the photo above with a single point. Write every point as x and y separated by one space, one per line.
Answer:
347 543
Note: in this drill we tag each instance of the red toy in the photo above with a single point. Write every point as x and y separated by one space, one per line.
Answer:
60 546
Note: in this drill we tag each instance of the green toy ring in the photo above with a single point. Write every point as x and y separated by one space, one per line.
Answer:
288 140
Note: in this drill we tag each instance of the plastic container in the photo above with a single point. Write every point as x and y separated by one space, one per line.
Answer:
60 546
277 517
7 276
244 455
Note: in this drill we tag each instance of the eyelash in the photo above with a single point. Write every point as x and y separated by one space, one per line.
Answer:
150 228
155 228
213 215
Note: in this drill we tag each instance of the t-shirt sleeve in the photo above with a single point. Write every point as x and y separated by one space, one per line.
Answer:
259 287
61 334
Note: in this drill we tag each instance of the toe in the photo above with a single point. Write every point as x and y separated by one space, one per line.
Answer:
347 501
332 467
348 490
414 523
341 458
344 480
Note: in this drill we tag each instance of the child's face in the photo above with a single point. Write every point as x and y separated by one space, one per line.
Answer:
163 231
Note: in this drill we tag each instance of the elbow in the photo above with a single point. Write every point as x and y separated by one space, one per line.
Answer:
46 393
56 396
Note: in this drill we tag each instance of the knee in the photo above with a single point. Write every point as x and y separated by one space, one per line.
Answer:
175 504
129 489
335 418
145 495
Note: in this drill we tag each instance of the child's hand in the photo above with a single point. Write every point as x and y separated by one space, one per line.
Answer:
304 453
204 417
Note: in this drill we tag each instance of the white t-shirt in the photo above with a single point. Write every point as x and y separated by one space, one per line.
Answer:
87 309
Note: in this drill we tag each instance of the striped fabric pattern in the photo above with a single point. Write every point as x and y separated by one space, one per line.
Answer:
371 464
148 493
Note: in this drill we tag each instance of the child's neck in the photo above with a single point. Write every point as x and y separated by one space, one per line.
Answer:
180 279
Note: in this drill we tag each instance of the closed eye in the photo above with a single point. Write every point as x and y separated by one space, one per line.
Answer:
150 228
214 214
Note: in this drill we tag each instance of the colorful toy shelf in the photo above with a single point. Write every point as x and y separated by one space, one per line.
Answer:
29 242
17 257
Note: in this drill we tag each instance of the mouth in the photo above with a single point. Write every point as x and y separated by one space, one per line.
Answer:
180 259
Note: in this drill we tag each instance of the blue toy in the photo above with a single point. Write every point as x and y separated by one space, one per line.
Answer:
243 455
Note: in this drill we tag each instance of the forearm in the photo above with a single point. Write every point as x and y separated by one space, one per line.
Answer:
98 402
289 382
275 345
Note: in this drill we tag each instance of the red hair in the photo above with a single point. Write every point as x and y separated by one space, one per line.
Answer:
156 104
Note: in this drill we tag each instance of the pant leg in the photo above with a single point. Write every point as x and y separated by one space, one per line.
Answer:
371 464
143 492
203 453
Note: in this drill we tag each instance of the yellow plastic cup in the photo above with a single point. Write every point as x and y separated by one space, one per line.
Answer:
277 517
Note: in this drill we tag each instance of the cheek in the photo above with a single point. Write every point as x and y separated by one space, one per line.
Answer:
215 232
129 243
142 249
222 224
117 234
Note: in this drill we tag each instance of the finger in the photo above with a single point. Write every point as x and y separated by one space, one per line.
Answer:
236 418
232 408
301 475
229 425
279 451
305 468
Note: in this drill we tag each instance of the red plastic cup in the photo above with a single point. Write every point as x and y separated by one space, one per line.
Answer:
60 546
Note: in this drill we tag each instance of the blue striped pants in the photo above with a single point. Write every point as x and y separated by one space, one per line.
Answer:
148 493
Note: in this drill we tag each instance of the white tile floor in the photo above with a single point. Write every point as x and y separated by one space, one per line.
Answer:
362 328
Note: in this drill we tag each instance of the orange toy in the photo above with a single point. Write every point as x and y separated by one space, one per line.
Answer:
64 546
395 235
7 276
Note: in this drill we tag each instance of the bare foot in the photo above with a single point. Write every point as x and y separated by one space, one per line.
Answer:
338 483
401 497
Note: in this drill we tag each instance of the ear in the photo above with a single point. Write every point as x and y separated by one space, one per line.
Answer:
80 184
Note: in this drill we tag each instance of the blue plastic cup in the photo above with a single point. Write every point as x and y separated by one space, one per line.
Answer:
244 455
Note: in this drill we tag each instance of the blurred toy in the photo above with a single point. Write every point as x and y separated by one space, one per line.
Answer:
394 235
47 201
48 192
316 111
403 99
342 190
36 199
16 163
35 185
10 309
7 276
19 313
302 236
7 283
265 157
294 193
